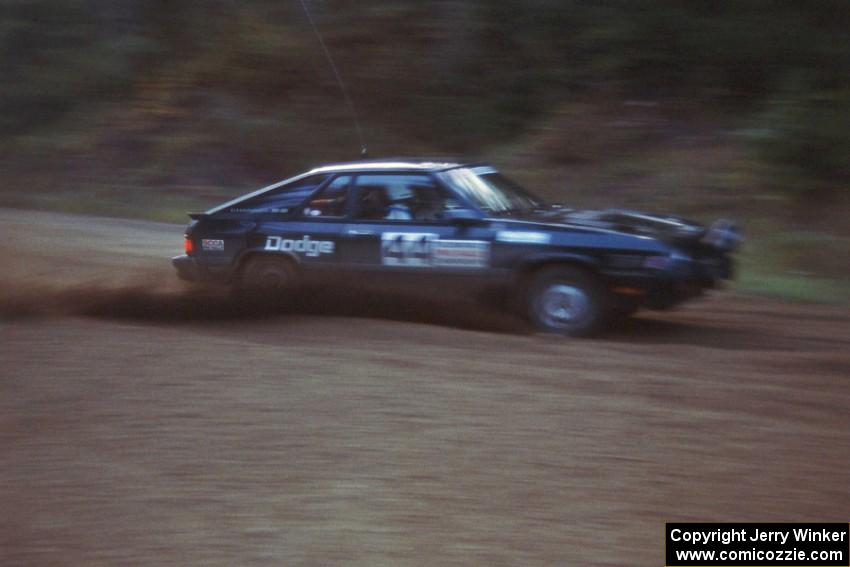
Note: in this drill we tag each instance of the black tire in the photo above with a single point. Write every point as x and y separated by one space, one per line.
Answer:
265 278
567 301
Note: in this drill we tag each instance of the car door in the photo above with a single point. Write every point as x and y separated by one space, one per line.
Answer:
398 226
312 233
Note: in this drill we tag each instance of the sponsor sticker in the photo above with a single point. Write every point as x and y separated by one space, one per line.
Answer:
461 253
523 237
212 245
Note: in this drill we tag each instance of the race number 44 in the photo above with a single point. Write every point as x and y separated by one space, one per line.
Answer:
427 250
407 248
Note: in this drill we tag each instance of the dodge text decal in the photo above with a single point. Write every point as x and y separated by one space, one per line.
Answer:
303 245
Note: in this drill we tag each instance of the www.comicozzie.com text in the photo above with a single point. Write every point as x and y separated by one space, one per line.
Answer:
726 536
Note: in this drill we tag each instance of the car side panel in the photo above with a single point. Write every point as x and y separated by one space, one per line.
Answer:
314 243
218 241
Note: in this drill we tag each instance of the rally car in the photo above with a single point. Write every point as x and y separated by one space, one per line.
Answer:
444 221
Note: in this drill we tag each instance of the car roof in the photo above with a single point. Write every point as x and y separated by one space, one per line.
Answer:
386 164
394 164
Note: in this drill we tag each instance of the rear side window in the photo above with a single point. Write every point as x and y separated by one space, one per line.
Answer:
282 199
332 201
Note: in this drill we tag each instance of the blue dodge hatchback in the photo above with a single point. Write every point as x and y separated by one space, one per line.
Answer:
439 222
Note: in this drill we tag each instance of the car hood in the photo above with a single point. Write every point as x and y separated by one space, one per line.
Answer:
721 234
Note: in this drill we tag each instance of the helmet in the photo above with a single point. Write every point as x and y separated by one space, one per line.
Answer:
399 192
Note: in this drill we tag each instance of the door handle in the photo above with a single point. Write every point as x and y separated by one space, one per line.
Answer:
358 232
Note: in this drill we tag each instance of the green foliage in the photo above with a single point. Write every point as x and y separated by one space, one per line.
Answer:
799 266
197 93
455 74
804 138
58 56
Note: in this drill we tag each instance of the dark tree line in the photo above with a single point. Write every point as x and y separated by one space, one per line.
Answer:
453 74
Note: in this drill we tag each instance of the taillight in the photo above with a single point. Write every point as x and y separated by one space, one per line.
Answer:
188 247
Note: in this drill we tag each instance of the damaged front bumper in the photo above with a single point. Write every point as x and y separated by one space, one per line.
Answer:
685 279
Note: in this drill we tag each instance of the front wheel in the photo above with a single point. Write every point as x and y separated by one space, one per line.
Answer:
568 301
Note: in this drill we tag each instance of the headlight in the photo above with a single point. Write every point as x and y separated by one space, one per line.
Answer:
724 235
689 231
664 262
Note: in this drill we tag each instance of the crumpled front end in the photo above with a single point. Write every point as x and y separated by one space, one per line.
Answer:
662 281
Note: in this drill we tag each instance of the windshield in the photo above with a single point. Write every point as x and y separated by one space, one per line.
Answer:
490 190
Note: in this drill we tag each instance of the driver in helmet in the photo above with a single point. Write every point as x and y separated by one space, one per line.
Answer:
400 198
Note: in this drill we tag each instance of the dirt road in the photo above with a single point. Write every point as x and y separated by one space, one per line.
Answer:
142 425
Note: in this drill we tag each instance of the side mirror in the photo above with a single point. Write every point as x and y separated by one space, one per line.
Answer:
462 217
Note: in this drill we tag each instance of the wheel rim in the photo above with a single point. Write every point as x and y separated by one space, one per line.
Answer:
563 305
268 279
273 280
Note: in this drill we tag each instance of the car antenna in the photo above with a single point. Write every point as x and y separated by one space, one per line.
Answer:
346 95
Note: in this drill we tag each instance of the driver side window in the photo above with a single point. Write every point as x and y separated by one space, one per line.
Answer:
400 197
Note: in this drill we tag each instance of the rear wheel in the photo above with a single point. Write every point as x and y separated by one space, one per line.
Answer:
568 301
264 277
